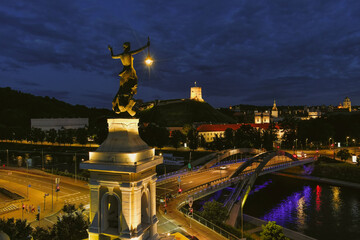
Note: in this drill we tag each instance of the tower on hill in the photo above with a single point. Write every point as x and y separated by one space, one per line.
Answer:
195 94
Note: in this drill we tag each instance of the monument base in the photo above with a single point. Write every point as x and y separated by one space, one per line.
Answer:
123 185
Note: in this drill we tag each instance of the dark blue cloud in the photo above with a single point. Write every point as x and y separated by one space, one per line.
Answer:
299 52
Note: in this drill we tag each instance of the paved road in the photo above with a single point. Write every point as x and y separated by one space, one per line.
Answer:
40 184
78 192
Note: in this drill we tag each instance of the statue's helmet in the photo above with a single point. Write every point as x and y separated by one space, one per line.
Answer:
126 45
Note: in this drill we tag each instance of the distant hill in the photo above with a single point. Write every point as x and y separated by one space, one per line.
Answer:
184 112
17 108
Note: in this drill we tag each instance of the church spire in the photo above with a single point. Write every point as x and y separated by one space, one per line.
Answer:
274 106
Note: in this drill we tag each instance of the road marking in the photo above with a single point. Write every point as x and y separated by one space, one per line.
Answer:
68 195
164 223
49 220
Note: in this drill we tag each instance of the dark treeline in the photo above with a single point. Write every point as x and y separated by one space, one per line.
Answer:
321 132
17 108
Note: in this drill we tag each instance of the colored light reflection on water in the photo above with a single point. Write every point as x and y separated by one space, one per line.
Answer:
285 211
318 200
319 210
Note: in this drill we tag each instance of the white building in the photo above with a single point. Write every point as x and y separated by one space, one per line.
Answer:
46 124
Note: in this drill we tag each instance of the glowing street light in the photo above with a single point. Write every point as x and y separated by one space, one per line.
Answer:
149 61
347 141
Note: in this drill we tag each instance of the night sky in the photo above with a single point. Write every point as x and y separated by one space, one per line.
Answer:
240 52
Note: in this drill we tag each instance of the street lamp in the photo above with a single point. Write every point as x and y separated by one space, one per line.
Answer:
149 61
330 143
306 140
354 141
347 141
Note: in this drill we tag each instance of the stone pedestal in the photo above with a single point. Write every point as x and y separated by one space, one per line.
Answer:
123 185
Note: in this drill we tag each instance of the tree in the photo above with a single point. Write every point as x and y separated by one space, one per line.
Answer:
203 142
51 136
269 136
16 229
69 208
61 136
41 233
248 137
81 136
37 135
343 154
154 135
161 137
69 136
193 139
214 211
272 231
218 143
72 226
176 138
229 136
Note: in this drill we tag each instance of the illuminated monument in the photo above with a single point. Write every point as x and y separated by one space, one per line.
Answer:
195 94
123 184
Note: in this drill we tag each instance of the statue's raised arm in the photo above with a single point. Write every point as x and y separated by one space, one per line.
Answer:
141 49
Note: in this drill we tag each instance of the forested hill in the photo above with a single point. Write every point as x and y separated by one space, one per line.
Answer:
185 112
17 108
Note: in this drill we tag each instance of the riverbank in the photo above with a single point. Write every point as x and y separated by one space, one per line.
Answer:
321 208
287 232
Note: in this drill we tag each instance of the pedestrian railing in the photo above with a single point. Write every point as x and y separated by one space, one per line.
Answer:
209 224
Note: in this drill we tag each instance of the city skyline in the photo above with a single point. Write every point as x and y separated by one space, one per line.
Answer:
300 53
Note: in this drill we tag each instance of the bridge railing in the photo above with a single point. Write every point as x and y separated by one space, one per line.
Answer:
206 189
170 176
208 224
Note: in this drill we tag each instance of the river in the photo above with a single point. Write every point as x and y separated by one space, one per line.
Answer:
319 210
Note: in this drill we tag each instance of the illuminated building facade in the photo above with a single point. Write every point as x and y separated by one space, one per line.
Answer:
211 131
261 117
274 111
195 94
347 103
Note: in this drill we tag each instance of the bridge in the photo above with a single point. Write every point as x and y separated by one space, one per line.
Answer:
223 172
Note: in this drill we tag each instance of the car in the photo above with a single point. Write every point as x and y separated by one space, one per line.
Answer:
224 167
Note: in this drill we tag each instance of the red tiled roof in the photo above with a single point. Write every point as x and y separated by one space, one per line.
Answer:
223 127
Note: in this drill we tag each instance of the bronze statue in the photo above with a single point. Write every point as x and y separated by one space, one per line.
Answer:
123 100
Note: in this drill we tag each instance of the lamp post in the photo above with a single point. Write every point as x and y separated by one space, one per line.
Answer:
306 140
330 143
149 61
27 178
347 141
74 158
7 157
42 159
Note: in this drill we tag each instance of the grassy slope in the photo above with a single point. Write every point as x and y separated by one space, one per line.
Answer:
186 112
